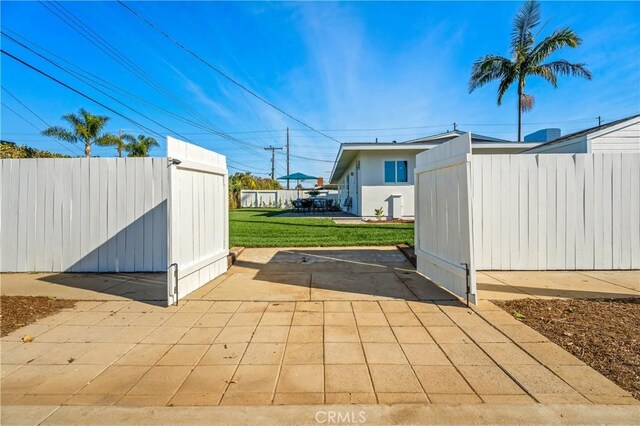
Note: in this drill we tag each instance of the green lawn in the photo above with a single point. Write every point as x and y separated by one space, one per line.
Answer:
263 228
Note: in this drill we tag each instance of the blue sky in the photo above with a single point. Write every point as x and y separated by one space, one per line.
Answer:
347 68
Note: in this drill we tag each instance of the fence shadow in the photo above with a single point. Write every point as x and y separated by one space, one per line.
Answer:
132 263
325 274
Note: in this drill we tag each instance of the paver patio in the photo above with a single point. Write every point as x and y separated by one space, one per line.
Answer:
312 326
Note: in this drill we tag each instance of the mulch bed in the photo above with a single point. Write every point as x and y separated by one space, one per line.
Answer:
18 311
602 333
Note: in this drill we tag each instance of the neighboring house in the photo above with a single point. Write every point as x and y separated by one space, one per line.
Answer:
618 136
373 175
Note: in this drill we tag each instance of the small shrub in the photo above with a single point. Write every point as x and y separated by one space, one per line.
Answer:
379 213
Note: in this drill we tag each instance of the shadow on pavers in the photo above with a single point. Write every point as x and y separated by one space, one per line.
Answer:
149 288
350 273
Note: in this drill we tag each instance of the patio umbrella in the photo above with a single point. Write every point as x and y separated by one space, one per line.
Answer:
298 177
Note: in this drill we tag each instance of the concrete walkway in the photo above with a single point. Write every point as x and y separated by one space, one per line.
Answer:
398 414
300 327
147 287
509 285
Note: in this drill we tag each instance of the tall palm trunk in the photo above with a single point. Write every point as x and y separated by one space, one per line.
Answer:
520 91
87 148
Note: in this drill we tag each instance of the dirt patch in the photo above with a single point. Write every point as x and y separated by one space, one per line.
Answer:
18 311
602 333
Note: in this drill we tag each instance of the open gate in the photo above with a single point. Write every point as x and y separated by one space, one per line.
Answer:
443 217
198 213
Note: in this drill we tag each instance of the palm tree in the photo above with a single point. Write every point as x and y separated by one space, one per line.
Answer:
527 58
140 147
120 141
85 128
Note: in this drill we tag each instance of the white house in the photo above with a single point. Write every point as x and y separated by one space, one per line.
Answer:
372 175
617 136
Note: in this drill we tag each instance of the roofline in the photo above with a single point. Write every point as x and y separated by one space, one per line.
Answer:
590 132
373 146
450 133
335 163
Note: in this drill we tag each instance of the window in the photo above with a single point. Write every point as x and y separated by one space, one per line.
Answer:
395 171
389 171
402 171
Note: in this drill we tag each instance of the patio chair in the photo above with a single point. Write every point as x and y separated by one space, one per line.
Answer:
297 205
318 204
307 204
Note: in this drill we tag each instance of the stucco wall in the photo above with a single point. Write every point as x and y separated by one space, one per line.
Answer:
348 187
374 197
376 193
368 190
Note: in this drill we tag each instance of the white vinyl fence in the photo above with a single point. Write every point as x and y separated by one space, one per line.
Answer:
198 217
557 211
280 198
524 212
83 215
117 215
443 241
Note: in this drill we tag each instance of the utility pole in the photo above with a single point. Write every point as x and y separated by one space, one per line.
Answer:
273 160
288 172
599 121
455 127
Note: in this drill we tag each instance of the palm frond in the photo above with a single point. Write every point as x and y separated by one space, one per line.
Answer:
528 17
487 69
545 72
140 147
108 139
563 37
60 133
72 119
505 83
151 142
128 138
563 67
526 102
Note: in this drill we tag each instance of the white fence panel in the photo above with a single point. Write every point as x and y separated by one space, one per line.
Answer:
444 240
280 198
82 215
556 211
198 225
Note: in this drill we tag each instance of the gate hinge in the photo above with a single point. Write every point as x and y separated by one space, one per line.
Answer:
468 275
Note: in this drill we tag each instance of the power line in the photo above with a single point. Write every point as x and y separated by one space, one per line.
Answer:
217 70
75 75
310 158
77 92
34 126
19 115
101 91
22 103
39 71
94 38
77 25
